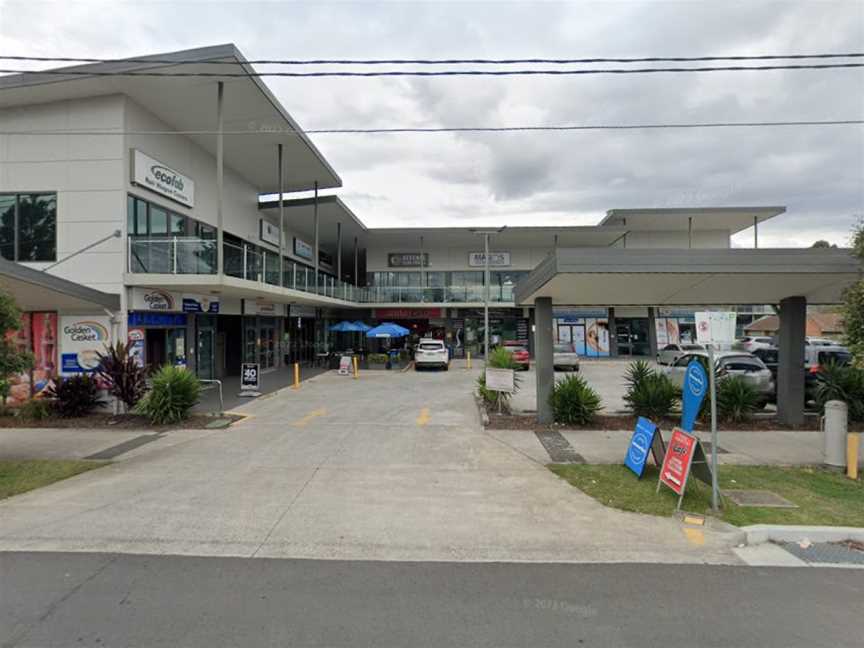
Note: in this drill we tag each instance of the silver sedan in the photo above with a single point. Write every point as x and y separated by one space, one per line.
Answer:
730 363
565 357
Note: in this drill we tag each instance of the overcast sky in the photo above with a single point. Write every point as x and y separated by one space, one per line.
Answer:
539 178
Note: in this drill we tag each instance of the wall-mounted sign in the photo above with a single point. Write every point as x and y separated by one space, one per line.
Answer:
82 339
155 299
155 176
302 249
407 313
137 319
136 345
200 304
302 310
254 307
325 260
407 260
496 259
268 232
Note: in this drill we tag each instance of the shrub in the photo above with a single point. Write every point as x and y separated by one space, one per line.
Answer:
636 373
737 399
835 382
175 391
377 358
75 396
34 410
653 396
574 401
125 377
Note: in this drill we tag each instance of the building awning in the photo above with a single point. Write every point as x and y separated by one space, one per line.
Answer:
732 219
189 104
34 290
631 277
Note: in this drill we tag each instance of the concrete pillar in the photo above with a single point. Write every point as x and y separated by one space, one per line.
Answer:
220 170
652 332
613 338
790 369
543 359
339 251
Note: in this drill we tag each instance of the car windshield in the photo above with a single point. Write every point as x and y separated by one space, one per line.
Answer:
563 348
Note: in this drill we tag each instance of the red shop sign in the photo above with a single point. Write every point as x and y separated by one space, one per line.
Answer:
407 313
676 463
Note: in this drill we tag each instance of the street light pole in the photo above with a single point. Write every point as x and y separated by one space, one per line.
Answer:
486 298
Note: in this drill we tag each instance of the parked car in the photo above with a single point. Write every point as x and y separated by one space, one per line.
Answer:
770 358
520 354
564 357
752 342
671 352
817 341
431 353
815 358
730 363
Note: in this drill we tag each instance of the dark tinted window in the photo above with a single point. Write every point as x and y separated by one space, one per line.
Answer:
158 220
28 227
742 365
836 357
670 347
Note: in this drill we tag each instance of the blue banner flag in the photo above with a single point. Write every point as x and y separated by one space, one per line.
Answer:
695 387
640 446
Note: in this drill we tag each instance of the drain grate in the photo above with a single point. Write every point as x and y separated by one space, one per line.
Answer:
558 448
126 446
825 552
758 498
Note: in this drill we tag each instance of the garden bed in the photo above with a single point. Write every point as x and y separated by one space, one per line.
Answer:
628 422
121 422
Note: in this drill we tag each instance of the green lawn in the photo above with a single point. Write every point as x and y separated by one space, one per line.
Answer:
823 497
21 476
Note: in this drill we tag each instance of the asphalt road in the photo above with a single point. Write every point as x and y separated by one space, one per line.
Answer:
64 599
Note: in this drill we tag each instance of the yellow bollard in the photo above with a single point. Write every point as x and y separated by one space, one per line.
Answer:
469 359
852 441
356 368
296 384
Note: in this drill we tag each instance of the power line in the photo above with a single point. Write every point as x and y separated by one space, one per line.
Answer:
436 73
452 61
444 129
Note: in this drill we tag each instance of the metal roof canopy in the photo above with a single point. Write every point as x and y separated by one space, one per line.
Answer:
734 219
34 290
635 277
189 104
541 237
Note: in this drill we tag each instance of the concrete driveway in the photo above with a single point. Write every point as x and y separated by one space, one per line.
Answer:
389 467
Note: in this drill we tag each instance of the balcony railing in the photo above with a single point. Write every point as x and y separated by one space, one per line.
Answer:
181 255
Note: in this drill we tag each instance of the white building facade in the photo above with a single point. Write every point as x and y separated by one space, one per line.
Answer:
209 273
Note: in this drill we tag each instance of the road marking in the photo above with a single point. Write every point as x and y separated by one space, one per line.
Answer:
424 417
695 536
303 422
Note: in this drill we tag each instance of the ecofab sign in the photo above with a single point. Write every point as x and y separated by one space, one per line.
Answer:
151 174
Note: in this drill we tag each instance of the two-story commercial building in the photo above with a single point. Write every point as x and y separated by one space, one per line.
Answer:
146 208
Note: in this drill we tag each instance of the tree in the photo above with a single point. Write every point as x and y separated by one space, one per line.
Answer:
822 243
12 360
853 304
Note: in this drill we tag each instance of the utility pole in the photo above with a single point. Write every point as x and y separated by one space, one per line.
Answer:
486 234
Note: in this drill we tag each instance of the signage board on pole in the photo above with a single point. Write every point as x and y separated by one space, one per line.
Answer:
646 438
250 379
694 389
500 380
715 327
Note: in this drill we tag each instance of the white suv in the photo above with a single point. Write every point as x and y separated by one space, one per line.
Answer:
431 353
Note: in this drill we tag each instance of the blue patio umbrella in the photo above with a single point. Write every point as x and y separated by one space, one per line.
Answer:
345 327
387 330
361 326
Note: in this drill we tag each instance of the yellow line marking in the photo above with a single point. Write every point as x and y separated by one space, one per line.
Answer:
695 536
303 422
424 417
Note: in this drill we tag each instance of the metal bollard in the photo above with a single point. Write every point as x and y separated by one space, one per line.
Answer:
356 367
852 441
468 354
296 384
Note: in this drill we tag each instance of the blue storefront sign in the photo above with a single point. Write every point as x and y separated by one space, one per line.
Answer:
695 387
200 305
640 446
145 318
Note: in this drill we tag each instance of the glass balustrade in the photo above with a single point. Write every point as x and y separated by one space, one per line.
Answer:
181 255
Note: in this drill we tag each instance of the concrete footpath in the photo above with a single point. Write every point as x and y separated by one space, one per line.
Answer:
394 466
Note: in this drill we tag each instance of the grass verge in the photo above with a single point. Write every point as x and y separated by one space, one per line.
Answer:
823 497
21 476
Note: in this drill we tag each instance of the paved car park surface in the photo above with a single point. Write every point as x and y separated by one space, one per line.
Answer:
393 466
